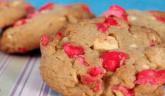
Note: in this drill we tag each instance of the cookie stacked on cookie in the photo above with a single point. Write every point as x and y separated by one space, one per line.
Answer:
104 56
50 18
118 54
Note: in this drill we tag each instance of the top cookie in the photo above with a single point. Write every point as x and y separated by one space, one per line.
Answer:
72 68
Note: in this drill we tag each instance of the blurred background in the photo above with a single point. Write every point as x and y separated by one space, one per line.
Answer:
98 6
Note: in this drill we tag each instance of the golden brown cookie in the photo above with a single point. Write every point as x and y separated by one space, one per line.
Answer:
103 57
25 34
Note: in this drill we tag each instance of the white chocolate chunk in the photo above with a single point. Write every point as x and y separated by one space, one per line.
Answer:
133 46
107 43
133 18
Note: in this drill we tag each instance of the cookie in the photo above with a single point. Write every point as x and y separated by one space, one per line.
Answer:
18 10
103 57
151 19
85 74
25 34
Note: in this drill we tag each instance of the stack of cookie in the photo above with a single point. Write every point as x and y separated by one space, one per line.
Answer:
118 54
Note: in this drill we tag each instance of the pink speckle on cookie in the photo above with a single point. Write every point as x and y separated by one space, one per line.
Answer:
116 11
153 43
29 8
82 60
150 76
161 19
33 14
95 71
157 16
125 91
162 76
23 50
111 65
86 80
97 86
25 20
109 21
44 40
59 35
86 8
102 27
48 6
72 50
112 60
162 73
20 22
93 83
